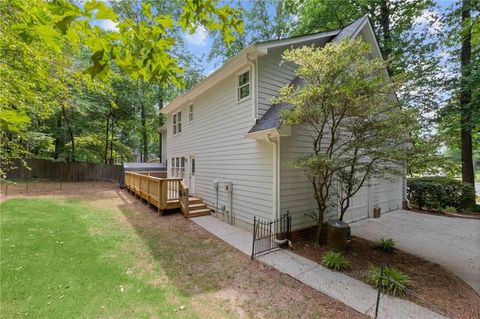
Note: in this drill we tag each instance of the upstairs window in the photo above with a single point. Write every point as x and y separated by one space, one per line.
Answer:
177 123
190 113
243 90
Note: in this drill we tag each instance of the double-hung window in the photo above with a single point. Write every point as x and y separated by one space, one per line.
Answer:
190 113
177 123
243 86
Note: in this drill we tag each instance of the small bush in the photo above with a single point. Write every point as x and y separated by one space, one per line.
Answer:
439 192
450 209
393 280
334 260
387 245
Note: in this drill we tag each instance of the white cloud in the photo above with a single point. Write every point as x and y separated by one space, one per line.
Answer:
107 25
199 37
429 19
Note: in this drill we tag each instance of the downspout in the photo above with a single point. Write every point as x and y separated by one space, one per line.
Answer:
276 175
253 84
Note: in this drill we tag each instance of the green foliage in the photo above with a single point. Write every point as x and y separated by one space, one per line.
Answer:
72 90
450 209
393 281
142 49
263 20
438 192
387 245
357 129
335 260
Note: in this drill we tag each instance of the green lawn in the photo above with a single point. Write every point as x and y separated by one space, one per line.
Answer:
65 259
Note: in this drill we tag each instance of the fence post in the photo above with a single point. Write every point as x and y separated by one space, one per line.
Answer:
378 294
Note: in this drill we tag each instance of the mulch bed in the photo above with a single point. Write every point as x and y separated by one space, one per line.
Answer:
470 215
430 286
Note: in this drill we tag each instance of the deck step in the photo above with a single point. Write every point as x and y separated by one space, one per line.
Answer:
197 206
199 212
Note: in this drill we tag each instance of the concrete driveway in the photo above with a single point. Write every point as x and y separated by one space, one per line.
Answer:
451 242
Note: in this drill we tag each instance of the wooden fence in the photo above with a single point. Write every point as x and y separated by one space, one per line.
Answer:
65 171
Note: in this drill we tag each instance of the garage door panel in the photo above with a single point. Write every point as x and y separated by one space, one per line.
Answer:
358 206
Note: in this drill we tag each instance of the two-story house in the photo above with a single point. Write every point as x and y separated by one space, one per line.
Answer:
226 139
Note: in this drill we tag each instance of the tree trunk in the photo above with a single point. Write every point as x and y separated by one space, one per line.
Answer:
112 127
468 175
105 155
58 138
144 122
160 122
386 32
70 133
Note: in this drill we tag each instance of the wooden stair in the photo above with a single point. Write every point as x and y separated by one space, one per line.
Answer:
196 207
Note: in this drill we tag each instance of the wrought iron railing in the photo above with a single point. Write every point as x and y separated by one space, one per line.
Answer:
270 234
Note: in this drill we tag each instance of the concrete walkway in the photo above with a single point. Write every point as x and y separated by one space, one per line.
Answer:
350 291
451 242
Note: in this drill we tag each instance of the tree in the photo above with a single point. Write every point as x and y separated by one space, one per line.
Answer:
41 42
347 104
263 20
460 119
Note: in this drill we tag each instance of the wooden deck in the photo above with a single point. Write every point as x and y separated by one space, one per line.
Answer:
165 193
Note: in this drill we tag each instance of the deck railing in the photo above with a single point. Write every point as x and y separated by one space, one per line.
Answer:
163 193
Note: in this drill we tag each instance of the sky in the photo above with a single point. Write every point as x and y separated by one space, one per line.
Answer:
199 43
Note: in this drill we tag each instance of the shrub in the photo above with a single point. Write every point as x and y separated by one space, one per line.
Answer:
450 209
393 280
439 192
335 261
387 245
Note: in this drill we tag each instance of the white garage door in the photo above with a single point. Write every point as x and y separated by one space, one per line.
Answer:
358 206
389 192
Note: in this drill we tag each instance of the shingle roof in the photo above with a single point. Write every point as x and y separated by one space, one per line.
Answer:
349 30
272 117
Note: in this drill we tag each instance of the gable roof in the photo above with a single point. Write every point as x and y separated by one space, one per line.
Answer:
271 119
255 49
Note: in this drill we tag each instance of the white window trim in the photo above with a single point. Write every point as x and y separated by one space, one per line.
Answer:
176 124
237 87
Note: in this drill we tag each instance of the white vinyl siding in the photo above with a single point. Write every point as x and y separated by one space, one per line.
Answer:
222 153
271 77
296 191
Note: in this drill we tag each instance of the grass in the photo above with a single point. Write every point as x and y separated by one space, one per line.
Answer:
64 259
392 280
335 260
387 245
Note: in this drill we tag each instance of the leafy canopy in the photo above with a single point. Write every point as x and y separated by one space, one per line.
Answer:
140 48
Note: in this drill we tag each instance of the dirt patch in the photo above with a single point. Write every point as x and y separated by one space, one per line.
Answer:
200 265
431 286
